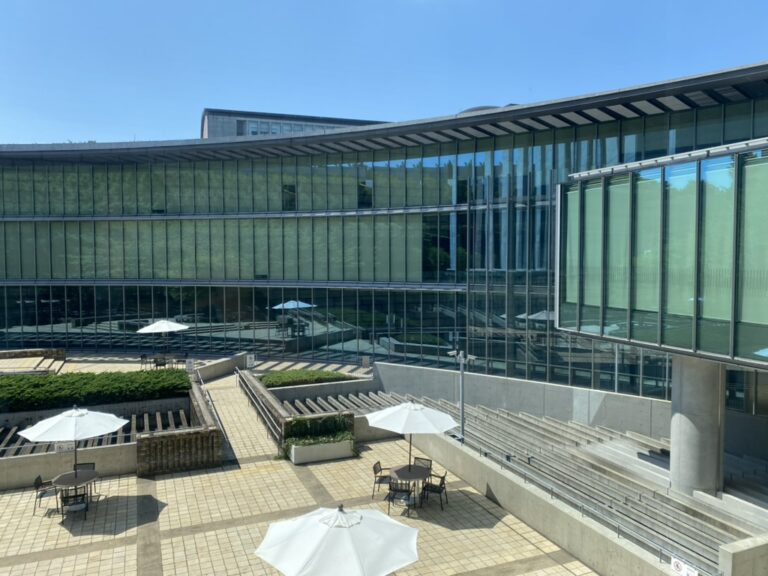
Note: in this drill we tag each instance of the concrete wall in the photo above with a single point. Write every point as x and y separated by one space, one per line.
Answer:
748 557
593 544
124 409
222 367
20 471
592 407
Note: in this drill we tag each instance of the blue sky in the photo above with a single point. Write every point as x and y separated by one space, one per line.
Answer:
113 70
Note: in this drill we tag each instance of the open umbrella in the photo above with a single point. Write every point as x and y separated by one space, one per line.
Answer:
339 542
162 327
411 418
72 426
293 305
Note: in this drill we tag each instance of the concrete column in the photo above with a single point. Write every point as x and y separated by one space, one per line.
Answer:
698 418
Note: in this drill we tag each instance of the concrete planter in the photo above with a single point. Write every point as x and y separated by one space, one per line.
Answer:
322 452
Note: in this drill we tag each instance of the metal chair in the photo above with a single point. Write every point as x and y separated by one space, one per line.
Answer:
44 488
75 501
144 361
380 476
438 488
400 492
423 462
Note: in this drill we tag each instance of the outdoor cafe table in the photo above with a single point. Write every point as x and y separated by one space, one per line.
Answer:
75 480
410 473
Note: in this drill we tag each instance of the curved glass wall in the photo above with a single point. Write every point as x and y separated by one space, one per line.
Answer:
405 253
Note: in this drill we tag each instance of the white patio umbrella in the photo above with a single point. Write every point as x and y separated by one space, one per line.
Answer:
72 426
163 327
411 418
293 305
339 542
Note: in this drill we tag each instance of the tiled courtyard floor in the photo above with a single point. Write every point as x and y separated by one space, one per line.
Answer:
210 522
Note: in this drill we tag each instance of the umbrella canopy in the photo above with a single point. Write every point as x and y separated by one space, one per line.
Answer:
162 327
411 418
339 542
293 305
73 425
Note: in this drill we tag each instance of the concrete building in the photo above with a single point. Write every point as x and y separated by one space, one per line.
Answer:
217 123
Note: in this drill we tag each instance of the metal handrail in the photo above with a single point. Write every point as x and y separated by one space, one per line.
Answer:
266 416
505 461
212 406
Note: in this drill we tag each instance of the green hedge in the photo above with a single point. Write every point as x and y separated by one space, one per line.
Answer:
32 392
296 377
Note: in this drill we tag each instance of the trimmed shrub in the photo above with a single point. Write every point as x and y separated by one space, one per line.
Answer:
32 392
297 377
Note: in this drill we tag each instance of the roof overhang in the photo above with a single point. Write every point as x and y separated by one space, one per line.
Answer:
729 86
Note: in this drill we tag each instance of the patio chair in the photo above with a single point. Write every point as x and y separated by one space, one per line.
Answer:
87 466
75 501
423 462
181 360
144 361
380 476
400 492
44 488
435 485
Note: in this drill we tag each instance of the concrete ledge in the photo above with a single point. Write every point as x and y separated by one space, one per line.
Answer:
322 452
20 471
593 544
222 367
747 557
302 391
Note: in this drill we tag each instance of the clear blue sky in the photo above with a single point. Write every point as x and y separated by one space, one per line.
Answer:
112 70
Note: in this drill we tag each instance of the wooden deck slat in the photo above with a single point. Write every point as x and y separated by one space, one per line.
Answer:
183 419
159 420
171 422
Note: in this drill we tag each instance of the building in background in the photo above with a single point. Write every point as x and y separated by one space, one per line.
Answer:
218 123
407 240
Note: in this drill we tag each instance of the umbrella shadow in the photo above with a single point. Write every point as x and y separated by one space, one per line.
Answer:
463 511
112 515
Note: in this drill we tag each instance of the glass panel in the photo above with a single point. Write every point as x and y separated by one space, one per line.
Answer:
143 189
157 187
247 255
202 198
275 249
306 239
335 190
87 250
100 199
245 185
203 249
592 256
381 178
320 248
319 183
414 244
303 183
349 180
129 190
646 255
55 189
58 251
159 251
680 132
115 188
260 185
381 245
413 175
738 122
397 241
609 143
335 249
631 140
656 372
145 248
366 248
289 184
231 196
464 172
617 255
397 178
216 187
42 196
716 261
752 313
431 175
27 232
657 138
131 250
447 173
679 254
761 118
291 249
102 249
709 126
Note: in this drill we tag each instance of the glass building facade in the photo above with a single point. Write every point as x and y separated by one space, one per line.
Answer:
400 253
672 256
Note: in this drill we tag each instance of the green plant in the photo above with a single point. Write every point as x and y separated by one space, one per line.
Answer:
297 377
31 392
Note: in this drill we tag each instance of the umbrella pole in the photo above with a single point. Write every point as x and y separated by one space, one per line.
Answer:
75 467
410 440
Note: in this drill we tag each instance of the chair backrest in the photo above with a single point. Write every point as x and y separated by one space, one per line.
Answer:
85 466
38 481
377 468
400 486
442 480
423 462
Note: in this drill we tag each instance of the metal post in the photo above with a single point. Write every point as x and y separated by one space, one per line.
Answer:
461 393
